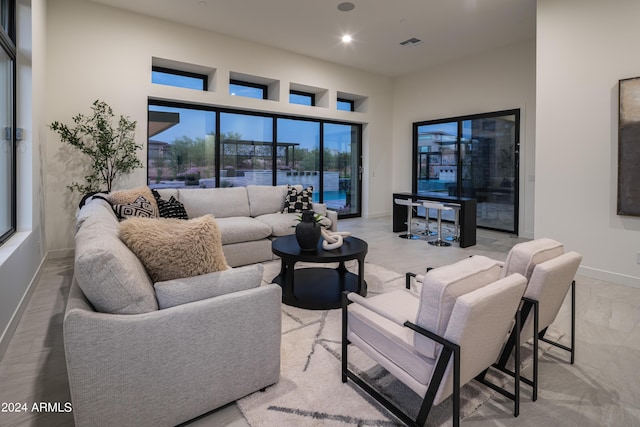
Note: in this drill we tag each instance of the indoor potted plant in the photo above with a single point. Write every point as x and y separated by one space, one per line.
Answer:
111 150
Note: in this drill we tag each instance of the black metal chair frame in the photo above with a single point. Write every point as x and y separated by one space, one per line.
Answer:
449 350
527 306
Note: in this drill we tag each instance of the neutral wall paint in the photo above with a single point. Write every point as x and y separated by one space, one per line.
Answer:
583 48
97 52
22 256
502 79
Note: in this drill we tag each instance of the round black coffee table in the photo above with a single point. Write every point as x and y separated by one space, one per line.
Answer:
319 288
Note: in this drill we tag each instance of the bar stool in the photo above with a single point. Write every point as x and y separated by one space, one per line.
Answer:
456 235
427 230
440 207
410 204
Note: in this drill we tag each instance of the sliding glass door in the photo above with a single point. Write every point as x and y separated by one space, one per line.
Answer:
342 167
472 156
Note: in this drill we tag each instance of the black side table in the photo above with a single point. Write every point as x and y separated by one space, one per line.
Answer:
318 288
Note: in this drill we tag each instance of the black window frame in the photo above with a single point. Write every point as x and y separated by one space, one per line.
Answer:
459 182
310 95
274 116
198 76
351 102
8 44
264 88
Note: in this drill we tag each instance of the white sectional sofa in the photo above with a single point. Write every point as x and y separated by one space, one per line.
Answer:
248 217
134 348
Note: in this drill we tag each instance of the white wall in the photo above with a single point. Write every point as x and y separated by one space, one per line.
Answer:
502 79
583 48
97 52
22 256
569 110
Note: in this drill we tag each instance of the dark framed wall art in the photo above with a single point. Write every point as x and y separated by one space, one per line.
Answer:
629 147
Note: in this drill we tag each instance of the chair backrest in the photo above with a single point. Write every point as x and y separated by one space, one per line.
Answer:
523 257
479 322
549 284
442 287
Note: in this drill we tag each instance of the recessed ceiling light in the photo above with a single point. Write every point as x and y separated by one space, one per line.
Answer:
346 38
346 6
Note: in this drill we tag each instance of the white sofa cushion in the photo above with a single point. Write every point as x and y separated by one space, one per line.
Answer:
279 223
112 278
167 193
219 202
181 291
523 257
283 224
440 289
242 229
266 199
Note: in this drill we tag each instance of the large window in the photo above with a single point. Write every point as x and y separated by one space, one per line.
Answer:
206 147
181 146
246 149
298 153
472 156
7 121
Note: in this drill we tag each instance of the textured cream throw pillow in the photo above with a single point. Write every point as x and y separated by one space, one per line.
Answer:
174 248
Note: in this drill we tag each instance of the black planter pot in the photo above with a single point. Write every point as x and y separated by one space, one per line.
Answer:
308 232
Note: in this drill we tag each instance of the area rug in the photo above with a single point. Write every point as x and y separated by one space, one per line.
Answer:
310 391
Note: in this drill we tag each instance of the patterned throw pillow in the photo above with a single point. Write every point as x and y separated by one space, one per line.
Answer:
298 201
125 197
171 208
141 207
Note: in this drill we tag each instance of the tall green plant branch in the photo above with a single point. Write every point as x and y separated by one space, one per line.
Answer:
112 151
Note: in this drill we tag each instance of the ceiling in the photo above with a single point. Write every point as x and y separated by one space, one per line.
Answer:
449 29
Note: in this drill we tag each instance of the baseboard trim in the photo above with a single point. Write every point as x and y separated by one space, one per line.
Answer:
8 332
61 253
620 279
376 214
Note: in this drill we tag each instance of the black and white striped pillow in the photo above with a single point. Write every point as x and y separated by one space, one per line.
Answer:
171 208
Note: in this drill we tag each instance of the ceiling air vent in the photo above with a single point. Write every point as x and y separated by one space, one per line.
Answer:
411 42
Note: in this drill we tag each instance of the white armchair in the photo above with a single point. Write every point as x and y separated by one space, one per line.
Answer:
550 272
440 340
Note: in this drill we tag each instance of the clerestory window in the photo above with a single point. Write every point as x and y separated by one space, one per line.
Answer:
170 77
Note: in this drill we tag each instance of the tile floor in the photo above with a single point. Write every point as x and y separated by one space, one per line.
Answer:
601 389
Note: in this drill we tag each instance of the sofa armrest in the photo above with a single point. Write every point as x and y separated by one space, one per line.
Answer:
322 209
181 291
333 216
133 369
